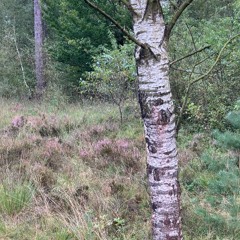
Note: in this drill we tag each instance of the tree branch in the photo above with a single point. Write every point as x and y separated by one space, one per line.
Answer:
128 6
200 78
176 15
190 32
189 55
217 59
130 37
173 4
184 70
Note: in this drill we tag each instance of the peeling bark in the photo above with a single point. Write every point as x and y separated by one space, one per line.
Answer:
157 110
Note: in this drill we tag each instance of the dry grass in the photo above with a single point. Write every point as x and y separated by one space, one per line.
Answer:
76 173
87 182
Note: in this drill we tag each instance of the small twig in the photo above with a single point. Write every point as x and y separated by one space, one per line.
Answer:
175 17
200 78
198 63
190 32
217 59
189 55
128 6
184 70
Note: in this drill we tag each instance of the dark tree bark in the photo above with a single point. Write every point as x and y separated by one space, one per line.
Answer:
39 62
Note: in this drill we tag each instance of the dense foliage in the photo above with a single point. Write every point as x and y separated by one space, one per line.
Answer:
202 25
77 33
113 78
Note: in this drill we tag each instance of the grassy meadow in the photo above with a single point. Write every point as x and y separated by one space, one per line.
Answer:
72 171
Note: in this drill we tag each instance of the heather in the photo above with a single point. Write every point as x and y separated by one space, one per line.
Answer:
78 173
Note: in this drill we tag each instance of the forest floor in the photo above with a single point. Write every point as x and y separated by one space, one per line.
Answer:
74 172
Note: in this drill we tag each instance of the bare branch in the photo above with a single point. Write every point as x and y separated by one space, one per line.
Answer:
184 70
130 37
173 4
190 32
217 59
128 6
189 55
202 77
176 15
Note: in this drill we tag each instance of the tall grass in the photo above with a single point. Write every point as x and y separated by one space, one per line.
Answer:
15 197
85 176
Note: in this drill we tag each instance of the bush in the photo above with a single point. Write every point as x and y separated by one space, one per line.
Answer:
113 76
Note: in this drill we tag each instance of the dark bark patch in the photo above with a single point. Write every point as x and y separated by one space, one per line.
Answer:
167 221
170 192
145 54
153 8
169 152
175 222
152 149
164 69
156 205
178 188
144 105
169 131
149 169
163 93
164 117
171 237
157 174
156 225
156 9
139 33
151 146
174 190
157 102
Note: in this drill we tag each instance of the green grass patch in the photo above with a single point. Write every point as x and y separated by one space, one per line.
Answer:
14 198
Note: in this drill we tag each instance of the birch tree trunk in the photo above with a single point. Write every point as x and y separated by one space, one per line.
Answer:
155 99
39 64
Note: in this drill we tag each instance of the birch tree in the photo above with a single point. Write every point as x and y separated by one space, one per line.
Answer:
155 98
39 64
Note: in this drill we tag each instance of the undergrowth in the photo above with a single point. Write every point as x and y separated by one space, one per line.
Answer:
75 172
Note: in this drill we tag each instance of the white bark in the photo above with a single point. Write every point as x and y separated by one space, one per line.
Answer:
159 121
